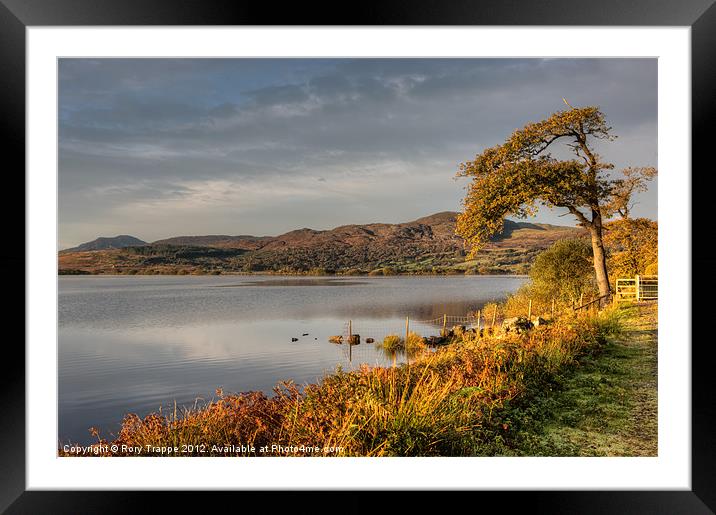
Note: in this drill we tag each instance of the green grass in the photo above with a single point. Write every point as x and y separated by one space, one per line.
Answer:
607 406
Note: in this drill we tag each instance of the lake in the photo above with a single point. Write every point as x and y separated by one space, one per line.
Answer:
135 343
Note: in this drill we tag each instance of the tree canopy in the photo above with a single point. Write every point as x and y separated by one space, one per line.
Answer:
632 246
515 177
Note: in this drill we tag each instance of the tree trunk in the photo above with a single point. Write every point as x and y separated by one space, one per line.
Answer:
600 258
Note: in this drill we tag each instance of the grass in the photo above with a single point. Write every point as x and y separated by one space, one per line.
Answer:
605 407
392 342
507 395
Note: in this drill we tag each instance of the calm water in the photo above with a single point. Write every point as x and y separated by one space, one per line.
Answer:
132 344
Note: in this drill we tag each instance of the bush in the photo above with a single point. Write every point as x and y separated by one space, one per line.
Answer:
392 342
564 272
414 341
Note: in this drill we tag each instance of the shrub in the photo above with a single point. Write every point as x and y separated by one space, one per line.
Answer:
414 341
564 271
392 342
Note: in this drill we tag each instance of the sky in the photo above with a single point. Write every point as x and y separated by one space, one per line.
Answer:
157 148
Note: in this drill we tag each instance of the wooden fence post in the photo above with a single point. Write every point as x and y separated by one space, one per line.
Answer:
478 320
407 332
494 316
444 325
529 311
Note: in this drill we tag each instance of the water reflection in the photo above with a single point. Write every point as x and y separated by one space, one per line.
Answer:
132 344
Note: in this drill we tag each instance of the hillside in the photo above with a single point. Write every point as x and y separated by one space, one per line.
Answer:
426 245
102 243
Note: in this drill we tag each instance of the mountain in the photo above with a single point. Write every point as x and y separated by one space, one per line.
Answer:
425 245
102 243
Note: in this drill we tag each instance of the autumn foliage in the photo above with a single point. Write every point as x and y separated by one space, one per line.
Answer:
517 176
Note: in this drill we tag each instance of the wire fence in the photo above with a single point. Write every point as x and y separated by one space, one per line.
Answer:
365 337
377 330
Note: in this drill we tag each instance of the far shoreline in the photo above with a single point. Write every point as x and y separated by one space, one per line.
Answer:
277 274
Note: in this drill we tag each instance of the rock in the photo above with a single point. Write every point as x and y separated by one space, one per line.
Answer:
336 339
354 339
369 340
516 324
435 340
304 334
294 339
538 321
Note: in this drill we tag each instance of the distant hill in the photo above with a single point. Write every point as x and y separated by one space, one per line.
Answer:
237 242
425 245
102 243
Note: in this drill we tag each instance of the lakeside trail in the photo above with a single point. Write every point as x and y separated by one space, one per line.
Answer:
608 405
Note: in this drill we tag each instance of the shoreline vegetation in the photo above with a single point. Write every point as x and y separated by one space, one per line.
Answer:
564 387
311 273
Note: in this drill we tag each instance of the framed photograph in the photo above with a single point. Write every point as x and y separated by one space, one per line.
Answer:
419 251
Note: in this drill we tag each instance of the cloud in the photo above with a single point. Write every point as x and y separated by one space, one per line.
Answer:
154 132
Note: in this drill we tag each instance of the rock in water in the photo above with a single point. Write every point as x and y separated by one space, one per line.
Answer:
294 339
336 339
369 340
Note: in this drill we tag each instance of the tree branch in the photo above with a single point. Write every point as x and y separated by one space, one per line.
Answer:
580 216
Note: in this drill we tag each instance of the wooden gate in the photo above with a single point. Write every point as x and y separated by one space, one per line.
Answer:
637 289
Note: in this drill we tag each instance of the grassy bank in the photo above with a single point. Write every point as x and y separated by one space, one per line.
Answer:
605 407
507 395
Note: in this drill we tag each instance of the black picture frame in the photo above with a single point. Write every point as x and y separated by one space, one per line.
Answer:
700 15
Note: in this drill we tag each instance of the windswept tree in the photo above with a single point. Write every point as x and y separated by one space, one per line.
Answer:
514 178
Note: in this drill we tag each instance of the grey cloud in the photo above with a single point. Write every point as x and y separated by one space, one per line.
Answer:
165 122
